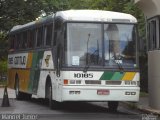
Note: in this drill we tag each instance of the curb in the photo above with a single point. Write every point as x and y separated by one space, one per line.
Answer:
143 108
149 110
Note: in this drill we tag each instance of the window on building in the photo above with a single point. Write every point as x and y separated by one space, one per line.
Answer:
153 34
12 39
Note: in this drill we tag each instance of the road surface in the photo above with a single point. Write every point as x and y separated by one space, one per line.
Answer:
37 109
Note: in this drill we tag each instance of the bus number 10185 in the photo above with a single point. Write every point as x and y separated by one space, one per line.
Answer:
83 75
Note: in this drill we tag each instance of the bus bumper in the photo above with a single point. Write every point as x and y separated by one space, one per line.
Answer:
92 93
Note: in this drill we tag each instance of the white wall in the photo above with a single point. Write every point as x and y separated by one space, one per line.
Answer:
150 8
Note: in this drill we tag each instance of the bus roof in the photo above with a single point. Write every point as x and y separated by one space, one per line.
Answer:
96 15
83 15
36 22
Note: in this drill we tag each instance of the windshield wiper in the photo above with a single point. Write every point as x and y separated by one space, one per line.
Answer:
93 54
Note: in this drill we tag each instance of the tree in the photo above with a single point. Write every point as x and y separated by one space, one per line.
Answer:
3 46
15 12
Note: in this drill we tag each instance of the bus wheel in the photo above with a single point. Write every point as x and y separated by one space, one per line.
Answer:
19 95
113 105
52 103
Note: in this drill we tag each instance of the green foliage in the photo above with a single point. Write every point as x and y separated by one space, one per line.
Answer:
15 12
3 66
3 46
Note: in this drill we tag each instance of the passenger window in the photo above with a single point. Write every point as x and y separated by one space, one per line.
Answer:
19 41
49 31
31 38
24 40
39 37
12 41
58 28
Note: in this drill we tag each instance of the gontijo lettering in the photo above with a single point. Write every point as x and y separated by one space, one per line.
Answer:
20 60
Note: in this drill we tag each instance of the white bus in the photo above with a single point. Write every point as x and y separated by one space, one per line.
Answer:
76 55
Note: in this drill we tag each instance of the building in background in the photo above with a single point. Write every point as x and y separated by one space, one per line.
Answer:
151 9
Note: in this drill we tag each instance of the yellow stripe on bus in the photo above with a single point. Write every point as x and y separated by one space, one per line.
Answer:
23 76
29 61
129 76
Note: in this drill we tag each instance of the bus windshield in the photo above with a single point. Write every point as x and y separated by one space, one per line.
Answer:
96 44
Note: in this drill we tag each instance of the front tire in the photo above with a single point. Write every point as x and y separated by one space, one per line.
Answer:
52 103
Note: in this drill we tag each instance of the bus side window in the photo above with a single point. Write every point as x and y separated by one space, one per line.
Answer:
12 40
19 41
24 40
58 30
16 42
49 30
39 37
31 38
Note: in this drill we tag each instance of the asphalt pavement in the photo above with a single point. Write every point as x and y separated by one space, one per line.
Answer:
39 110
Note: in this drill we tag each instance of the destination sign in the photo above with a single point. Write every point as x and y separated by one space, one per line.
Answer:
17 60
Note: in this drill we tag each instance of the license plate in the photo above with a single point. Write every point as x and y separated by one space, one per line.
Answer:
103 92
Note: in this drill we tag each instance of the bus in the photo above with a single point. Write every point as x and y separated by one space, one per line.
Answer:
76 55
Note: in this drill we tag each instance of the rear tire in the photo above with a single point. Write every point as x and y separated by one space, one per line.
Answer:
113 105
20 95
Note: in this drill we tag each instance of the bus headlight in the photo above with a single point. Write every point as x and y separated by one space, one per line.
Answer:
135 83
72 82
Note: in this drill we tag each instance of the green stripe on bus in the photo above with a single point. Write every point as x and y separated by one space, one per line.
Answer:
32 73
117 76
112 76
35 72
107 76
